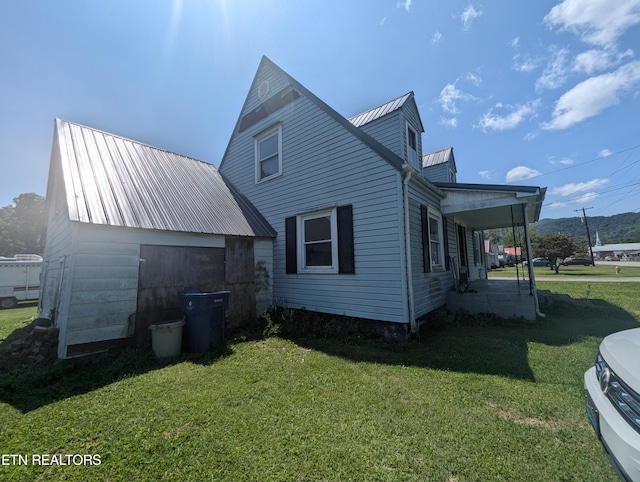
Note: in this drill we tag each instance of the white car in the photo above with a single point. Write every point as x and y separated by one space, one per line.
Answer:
612 389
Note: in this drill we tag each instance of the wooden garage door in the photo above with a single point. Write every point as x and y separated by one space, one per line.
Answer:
167 270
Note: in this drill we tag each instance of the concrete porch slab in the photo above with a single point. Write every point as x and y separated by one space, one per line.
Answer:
504 298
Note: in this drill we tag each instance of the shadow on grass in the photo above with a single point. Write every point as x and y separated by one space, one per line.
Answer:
485 345
34 386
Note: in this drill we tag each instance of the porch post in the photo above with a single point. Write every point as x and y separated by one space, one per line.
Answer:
532 278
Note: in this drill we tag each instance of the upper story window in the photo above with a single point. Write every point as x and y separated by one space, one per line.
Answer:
412 146
268 153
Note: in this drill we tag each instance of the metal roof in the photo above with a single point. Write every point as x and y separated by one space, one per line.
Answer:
114 181
438 157
384 109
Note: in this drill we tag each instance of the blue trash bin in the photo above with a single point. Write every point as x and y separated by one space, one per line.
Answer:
205 313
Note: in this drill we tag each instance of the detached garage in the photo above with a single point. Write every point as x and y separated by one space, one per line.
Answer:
129 226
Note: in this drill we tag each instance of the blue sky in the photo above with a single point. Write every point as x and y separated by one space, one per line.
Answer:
539 93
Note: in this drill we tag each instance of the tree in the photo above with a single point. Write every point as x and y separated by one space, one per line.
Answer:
554 247
22 225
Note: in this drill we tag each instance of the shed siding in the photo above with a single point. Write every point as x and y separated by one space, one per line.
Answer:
429 288
324 165
263 259
103 291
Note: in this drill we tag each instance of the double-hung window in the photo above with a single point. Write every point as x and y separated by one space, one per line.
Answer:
318 241
412 146
268 153
433 241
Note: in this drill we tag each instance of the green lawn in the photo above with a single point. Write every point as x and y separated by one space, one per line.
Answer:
599 271
471 402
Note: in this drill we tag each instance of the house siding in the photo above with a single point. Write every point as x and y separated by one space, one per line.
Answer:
429 289
438 173
387 130
324 165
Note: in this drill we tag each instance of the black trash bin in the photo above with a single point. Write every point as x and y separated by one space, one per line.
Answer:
205 313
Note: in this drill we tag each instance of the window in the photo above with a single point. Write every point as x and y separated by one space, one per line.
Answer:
320 242
268 152
412 146
432 239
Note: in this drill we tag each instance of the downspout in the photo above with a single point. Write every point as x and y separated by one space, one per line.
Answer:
407 241
532 277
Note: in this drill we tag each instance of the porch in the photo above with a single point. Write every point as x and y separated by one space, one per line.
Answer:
504 298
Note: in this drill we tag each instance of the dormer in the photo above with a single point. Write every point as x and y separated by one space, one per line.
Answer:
396 125
440 166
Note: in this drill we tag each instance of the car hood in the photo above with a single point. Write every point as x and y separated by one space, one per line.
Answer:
621 351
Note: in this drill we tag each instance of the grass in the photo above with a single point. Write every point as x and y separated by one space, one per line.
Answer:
468 401
598 271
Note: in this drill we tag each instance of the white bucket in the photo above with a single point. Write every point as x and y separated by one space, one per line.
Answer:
166 338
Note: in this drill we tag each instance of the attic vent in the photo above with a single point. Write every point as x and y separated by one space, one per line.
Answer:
272 104
263 90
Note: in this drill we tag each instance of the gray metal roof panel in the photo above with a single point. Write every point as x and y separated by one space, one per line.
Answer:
437 157
380 111
119 182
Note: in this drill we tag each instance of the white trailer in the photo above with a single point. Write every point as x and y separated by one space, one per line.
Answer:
19 279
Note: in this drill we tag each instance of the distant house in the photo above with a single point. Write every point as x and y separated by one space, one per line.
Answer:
129 226
309 209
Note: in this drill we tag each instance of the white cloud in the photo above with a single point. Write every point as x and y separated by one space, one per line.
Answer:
436 38
557 204
521 173
517 114
598 60
469 14
598 22
556 72
406 4
450 96
587 197
529 136
572 188
449 122
592 96
382 22
566 162
515 43
524 63
487 174
474 79
605 153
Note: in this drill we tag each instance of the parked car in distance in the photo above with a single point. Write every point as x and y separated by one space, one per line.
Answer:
537 262
576 261
612 258
612 391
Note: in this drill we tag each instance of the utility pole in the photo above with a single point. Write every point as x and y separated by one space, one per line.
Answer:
586 225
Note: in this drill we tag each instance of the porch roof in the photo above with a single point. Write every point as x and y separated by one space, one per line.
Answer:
489 206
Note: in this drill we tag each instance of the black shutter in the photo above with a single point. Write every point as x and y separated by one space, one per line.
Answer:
426 256
291 249
445 237
346 257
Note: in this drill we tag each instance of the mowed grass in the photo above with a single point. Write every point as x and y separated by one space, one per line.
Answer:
466 402
597 271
